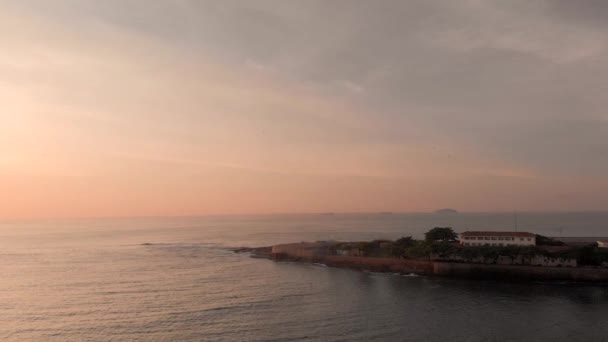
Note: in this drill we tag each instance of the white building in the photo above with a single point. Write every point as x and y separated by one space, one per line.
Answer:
602 244
497 239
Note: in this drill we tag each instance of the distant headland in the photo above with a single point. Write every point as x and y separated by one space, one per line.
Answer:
446 211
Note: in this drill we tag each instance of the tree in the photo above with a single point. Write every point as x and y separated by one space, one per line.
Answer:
401 244
404 242
546 241
440 234
587 256
420 249
365 248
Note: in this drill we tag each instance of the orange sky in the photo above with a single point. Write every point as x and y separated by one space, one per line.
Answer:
111 114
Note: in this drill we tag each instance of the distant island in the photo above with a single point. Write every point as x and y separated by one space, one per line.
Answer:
446 211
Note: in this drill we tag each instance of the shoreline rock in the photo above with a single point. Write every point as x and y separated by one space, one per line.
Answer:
426 267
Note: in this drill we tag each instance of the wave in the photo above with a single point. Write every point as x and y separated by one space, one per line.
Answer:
413 275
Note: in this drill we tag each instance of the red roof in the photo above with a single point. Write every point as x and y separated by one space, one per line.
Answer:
518 234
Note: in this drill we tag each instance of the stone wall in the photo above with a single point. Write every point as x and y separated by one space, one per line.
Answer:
391 265
304 250
501 268
538 260
520 272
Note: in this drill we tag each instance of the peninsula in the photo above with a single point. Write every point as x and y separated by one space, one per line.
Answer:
471 254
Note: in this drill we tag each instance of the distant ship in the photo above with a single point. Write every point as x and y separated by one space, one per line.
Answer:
446 211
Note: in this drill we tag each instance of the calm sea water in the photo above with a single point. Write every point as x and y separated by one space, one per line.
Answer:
95 280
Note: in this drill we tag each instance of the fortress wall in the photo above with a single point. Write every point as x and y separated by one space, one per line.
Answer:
320 253
520 272
392 265
297 250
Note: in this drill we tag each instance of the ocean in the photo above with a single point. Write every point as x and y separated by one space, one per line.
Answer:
175 279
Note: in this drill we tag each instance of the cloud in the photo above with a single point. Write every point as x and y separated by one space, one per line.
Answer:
409 95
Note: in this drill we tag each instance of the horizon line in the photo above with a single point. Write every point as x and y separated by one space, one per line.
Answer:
327 213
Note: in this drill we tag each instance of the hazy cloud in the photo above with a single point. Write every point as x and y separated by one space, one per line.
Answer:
423 92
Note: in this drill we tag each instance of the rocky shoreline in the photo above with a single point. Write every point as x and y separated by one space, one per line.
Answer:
301 252
256 252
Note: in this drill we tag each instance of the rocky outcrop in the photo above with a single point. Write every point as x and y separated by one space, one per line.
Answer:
537 268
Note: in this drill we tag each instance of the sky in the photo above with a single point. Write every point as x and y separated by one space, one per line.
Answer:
195 107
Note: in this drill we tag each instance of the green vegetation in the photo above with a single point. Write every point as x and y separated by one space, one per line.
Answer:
400 246
589 255
365 248
407 247
546 241
376 248
446 250
585 256
440 243
441 234
421 249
